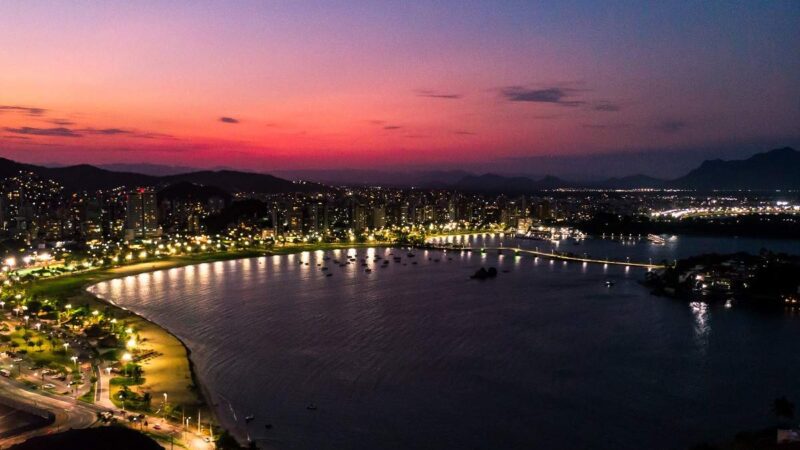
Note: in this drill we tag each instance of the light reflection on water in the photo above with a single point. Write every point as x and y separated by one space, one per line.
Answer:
402 357
702 327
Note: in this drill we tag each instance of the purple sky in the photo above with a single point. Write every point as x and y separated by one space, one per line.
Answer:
581 88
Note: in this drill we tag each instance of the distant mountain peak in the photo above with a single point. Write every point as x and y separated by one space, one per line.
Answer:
775 169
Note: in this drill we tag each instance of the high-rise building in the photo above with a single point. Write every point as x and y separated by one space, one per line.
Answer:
378 217
359 218
543 210
141 220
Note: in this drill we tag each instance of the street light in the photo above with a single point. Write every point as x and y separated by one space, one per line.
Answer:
74 360
127 358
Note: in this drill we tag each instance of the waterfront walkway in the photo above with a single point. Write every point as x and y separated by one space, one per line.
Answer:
558 256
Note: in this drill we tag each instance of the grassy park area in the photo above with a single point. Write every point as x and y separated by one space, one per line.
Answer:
170 371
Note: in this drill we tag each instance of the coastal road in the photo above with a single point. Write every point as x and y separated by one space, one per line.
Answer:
559 256
648 266
182 436
69 413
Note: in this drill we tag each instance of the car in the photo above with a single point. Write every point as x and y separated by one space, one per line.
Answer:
48 386
156 427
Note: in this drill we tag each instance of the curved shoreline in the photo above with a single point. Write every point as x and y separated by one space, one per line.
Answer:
204 395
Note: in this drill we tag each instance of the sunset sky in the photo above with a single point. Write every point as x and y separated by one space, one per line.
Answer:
268 85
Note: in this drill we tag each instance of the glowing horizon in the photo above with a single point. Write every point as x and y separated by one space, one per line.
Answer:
301 85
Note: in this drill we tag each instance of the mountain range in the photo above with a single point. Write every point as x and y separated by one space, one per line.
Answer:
771 170
84 177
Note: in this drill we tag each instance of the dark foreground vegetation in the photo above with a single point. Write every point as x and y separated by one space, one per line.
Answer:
103 438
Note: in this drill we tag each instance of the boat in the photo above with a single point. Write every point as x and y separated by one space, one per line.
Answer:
410 255
368 270
609 283
249 418
268 426
328 274
656 239
311 407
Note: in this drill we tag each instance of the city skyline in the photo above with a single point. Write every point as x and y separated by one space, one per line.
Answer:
563 89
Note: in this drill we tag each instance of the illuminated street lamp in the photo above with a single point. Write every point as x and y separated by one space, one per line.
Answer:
127 358
165 405
74 360
186 424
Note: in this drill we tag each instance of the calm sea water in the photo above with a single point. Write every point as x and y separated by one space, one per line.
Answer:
420 356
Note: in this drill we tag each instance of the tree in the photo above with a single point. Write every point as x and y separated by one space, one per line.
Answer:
783 408
124 392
